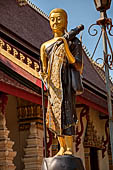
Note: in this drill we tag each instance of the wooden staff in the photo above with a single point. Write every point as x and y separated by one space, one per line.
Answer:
44 116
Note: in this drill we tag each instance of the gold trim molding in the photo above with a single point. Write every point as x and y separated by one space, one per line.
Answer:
20 59
28 112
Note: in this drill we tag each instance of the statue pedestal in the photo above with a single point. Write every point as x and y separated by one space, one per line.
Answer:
65 162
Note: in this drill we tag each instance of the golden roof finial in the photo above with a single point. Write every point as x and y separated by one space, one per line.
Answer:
22 2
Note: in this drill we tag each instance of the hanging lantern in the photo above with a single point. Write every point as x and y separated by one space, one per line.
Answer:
102 5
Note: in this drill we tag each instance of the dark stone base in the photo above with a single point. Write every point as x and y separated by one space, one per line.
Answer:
65 162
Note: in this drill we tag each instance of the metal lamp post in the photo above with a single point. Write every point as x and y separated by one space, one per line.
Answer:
106 27
102 5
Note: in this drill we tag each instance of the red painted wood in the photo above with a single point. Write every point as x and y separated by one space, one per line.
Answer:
18 69
31 97
38 100
91 104
20 93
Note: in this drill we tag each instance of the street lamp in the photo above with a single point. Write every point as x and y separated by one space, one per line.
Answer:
106 28
102 5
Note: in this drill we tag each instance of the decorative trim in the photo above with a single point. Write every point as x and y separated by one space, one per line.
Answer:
105 142
28 112
25 126
91 139
84 112
22 60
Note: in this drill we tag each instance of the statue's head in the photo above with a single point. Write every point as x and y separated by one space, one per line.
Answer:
58 20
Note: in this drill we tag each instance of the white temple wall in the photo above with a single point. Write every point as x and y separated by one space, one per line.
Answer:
103 162
99 125
80 152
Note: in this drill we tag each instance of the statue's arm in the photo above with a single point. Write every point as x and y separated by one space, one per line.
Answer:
43 58
70 57
74 56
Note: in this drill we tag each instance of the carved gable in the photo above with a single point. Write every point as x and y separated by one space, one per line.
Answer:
91 138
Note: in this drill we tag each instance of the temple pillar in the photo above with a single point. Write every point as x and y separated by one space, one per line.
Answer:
33 151
6 152
87 158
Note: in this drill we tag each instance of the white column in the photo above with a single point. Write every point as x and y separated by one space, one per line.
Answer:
6 152
33 151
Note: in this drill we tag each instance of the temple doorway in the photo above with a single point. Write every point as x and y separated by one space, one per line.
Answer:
94 158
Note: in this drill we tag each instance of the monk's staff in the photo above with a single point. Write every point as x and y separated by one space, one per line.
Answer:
44 116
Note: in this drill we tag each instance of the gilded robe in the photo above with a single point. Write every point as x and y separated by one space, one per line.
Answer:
61 111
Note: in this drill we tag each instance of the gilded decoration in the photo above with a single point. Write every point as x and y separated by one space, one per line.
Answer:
56 92
22 2
28 112
91 138
22 60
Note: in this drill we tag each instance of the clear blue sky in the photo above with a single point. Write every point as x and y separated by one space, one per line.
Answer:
79 12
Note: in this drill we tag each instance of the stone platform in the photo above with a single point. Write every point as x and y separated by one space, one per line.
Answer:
65 162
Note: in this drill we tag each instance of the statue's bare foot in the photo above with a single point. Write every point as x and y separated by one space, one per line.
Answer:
61 152
68 152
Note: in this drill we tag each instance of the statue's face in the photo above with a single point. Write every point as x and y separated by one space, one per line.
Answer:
57 22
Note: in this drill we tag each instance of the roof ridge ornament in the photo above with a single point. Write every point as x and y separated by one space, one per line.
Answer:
86 51
22 2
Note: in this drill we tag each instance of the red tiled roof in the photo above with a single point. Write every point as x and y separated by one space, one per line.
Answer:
94 76
101 72
91 76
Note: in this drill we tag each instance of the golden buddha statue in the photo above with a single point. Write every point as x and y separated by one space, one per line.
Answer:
59 59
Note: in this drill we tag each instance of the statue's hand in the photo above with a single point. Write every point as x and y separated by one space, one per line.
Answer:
62 39
43 76
69 55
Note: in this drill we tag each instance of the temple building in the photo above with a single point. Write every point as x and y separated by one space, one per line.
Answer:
23 28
